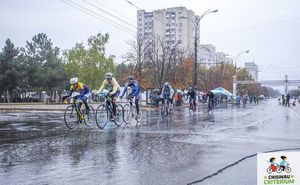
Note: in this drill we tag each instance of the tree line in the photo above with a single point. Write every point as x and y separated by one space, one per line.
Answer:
154 63
40 68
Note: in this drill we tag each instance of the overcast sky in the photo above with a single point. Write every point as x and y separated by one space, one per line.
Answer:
268 28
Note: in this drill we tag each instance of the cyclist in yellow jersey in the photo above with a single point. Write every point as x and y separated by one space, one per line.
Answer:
84 92
113 87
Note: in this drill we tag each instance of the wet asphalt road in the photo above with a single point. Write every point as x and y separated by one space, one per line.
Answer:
37 148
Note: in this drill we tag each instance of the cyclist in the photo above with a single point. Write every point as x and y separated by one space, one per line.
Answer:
167 92
135 92
211 102
192 96
113 87
82 89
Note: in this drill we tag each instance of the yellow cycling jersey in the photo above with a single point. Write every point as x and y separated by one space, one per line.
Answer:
79 87
114 86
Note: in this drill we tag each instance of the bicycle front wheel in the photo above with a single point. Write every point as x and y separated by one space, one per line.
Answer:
141 115
101 116
89 118
71 117
164 110
127 113
119 115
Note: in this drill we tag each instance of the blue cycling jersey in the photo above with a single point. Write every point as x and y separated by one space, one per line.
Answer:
136 89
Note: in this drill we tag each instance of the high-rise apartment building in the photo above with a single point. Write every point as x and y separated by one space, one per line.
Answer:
207 54
253 69
174 26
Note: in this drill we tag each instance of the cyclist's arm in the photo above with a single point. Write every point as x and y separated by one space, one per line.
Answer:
124 90
102 87
69 93
137 89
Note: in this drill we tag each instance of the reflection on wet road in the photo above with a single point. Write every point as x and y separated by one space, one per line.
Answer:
37 148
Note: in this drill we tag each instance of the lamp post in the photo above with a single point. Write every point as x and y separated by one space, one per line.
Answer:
196 24
247 51
235 74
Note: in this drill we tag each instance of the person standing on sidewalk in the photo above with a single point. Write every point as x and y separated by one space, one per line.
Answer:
283 100
288 97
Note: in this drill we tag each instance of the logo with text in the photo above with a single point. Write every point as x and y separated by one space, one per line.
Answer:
278 168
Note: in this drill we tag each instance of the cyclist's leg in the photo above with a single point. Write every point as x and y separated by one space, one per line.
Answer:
79 102
114 102
137 106
194 101
85 101
170 103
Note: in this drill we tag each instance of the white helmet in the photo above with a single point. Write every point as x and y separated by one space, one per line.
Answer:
166 84
108 75
73 80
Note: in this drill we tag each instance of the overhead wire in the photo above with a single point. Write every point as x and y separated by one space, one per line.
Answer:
98 16
108 13
115 11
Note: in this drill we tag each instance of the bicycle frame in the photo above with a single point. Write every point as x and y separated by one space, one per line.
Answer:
75 106
166 106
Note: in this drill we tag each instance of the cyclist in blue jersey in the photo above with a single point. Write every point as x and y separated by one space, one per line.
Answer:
82 89
135 92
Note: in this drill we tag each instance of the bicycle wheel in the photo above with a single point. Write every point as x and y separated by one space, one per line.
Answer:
138 117
101 116
288 169
119 115
164 110
89 119
71 117
127 113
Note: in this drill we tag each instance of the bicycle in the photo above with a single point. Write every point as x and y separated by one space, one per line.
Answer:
130 112
277 168
104 112
165 108
73 115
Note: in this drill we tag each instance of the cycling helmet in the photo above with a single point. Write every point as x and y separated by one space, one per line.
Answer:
190 88
130 77
108 75
166 84
73 80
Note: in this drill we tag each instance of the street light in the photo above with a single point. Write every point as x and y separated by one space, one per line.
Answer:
196 24
247 51
235 73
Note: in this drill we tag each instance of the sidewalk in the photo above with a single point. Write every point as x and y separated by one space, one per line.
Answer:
44 107
53 107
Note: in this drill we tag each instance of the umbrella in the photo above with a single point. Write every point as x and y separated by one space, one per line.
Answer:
221 90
